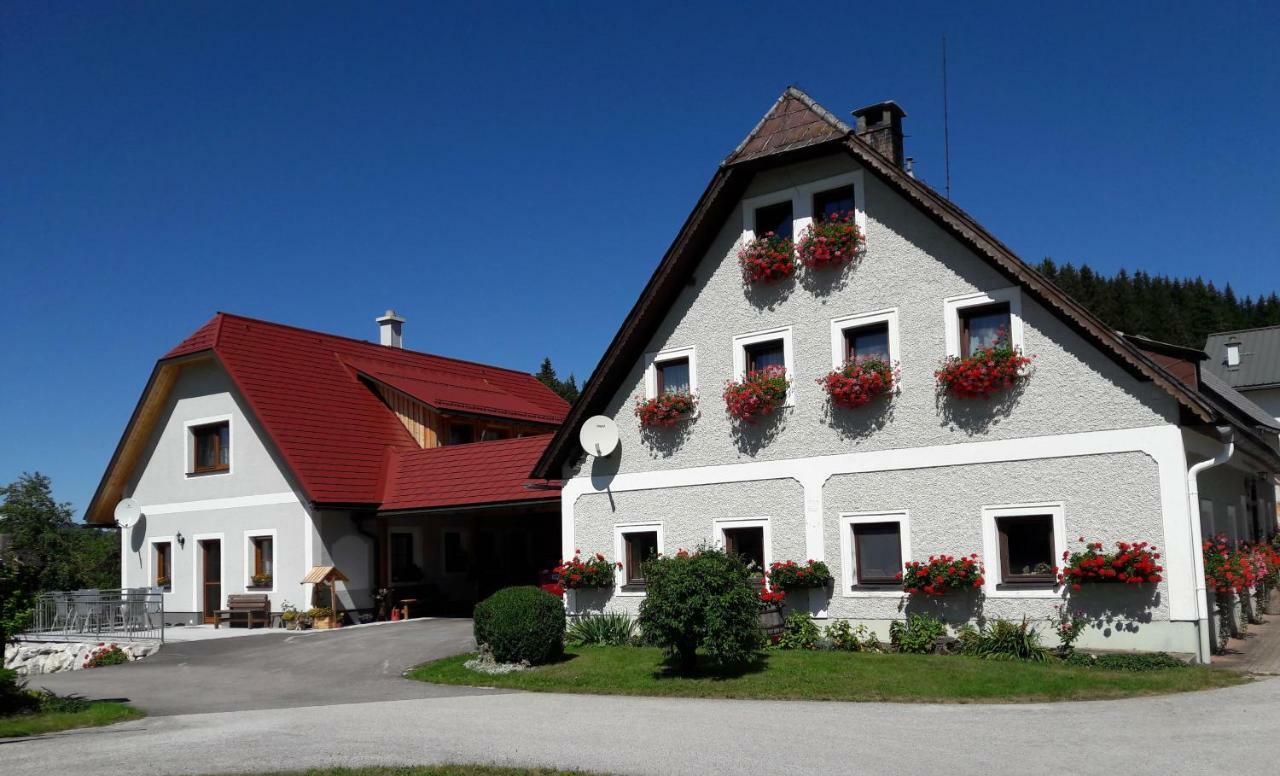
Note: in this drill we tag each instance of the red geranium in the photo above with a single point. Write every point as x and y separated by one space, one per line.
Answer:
767 258
859 381
788 575
986 372
594 572
1227 568
830 242
942 573
760 393
666 410
1132 563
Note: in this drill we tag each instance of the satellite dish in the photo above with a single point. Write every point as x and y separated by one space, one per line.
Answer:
599 436
127 513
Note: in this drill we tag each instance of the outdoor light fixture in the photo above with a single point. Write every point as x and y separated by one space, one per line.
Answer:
182 541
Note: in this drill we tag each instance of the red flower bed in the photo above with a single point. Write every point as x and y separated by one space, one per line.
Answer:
984 373
942 574
858 382
666 410
106 655
788 575
760 393
1227 569
594 572
830 242
767 258
1132 563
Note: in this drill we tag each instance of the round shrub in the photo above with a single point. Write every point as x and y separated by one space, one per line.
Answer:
521 623
705 601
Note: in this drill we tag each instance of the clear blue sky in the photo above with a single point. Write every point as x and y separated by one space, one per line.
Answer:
507 175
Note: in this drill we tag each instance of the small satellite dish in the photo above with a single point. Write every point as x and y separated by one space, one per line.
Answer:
127 513
599 436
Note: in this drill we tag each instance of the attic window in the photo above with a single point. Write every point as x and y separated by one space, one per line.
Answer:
1233 354
775 219
461 433
834 202
211 446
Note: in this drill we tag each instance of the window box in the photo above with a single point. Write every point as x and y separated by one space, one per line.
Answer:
767 259
593 573
789 576
830 241
859 382
1132 563
942 574
759 393
988 371
666 410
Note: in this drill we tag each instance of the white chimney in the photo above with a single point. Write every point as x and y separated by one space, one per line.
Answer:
390 329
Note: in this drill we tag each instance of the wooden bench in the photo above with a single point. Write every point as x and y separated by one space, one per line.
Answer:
250 607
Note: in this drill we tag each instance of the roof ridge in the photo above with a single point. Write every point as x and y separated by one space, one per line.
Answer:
1241 331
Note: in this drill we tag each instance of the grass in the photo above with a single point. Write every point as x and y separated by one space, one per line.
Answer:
832 676
97 714
428 770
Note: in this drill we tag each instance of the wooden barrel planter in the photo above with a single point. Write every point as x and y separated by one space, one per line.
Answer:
772 621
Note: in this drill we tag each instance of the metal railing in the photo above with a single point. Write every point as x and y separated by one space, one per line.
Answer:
131 614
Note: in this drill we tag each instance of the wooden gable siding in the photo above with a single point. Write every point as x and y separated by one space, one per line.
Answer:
422 423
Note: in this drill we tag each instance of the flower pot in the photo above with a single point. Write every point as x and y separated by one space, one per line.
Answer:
1236 624
1253 606
1273 601
323 623
772 621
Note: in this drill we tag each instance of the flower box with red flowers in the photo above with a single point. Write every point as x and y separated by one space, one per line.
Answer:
942 574
767 258
579 574
666 410
859 382
1132 563
787 575
830 242
984 373
759 393
1227 568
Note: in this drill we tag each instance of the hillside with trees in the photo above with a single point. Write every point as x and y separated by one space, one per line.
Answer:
1183 312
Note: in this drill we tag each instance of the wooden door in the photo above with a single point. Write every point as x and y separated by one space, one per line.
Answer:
211 585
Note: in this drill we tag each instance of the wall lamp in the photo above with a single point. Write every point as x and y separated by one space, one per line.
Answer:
182 540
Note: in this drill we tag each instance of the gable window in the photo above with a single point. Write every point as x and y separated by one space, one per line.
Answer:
211 447
162 565
765 354
833 202
1233 354
757 351
747 542
976 321
1026 549
455 554
774 218
673 375
262 560
865 335
403 557
984 326
877 553
461 433
492 433
867 341
670 371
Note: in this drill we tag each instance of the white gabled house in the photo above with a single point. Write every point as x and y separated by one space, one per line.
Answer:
1112 438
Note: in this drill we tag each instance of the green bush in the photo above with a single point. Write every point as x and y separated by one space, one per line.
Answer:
702 601
1003 640
840 637
614 629
15 698
918 635
799 632
1137 661
521 623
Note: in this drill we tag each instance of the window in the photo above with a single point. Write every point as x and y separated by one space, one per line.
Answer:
756 351
162 567
877 553
871 340
263 560
1027 549
747 542
984 326
1233 354
765 354
455 555
404 567
461 433
673 375
832 202
640 546
774 218
212 447
491 433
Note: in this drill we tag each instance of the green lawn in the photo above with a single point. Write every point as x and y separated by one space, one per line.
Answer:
99 713
832 676
428 770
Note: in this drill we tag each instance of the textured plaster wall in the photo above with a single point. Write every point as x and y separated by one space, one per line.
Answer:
688 516
912 265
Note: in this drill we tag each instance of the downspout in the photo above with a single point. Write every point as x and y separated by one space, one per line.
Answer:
1227 435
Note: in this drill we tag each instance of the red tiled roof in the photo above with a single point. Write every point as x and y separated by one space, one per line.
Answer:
481 473
330 428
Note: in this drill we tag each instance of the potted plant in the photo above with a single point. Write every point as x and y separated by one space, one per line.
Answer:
163 582
788 576
985 372
941 574
595 572
859 382
261 580
759 393
289 615
830 242
321 617
666 410
767 258
1133 563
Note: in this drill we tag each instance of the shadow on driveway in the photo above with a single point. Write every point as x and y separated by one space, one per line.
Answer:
281 670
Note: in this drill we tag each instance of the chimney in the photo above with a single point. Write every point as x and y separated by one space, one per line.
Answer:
881 126
390 328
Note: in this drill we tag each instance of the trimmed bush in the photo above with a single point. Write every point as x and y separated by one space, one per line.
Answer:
521 623
703 601
15 698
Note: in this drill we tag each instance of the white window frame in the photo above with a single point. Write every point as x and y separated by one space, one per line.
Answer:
952 306
620 530
463 543
652 360
189 446
801 197
1233 354
249 536
991 547
740 343
152 541
844 323
848 563
197 584
719 524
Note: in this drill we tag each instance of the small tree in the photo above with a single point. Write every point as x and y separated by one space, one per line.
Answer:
704 601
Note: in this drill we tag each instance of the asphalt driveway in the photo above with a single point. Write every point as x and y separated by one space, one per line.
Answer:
279 670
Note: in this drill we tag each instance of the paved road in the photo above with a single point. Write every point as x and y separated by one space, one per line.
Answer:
278 670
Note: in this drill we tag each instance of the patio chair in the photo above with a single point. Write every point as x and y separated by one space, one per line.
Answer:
62 612
86 612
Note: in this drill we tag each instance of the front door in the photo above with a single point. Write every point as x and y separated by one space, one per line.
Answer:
211 586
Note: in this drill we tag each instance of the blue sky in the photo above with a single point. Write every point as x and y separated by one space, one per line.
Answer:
507 175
